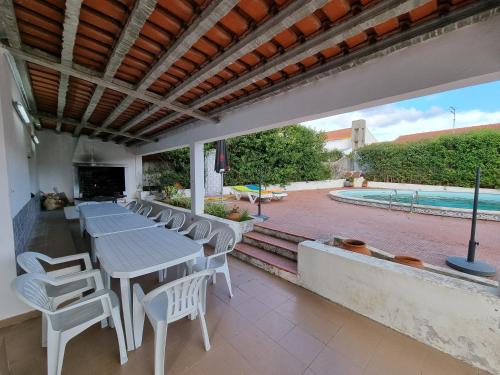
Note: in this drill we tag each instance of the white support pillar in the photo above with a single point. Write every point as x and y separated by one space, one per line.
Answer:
197 173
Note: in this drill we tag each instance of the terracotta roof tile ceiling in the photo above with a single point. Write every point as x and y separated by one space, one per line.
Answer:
336 135
437 133
216 65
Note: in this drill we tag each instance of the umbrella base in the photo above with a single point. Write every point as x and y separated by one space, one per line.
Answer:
261 216
476 268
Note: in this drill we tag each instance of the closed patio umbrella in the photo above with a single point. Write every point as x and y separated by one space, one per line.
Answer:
221 163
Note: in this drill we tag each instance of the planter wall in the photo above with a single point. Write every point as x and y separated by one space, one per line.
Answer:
217 222
459 317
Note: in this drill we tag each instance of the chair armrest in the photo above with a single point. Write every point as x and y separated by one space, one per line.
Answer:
188 229
213 256
69 258
101 295
94 274
203 241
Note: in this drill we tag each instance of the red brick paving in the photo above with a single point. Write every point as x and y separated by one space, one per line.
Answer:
430 238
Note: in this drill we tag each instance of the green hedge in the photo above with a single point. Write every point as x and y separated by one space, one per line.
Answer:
292 153
449 160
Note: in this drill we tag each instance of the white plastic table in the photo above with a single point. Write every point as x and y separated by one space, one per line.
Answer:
98 210
106 225
136 253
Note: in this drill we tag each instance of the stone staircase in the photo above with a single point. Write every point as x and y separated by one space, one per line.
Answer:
271 249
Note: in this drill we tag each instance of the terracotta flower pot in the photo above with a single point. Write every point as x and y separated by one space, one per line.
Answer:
235 216
409 261
356 246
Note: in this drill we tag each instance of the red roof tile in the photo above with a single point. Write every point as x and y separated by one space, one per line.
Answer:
336 135
438 133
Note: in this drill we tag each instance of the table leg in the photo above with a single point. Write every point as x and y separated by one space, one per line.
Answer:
127 312
92 250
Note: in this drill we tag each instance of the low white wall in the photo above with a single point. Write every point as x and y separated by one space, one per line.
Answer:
455 316
393 185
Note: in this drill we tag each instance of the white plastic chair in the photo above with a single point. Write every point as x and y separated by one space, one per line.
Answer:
167 304
198 231
130 205
145 211
176 221
67 322
137 207
30 262
224 244
163 216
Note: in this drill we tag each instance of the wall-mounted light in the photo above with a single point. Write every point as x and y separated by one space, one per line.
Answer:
35 139
21 111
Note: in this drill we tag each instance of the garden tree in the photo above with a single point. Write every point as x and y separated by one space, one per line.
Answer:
278 156
447 160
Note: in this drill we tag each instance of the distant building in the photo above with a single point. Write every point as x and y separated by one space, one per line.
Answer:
349 139
434 134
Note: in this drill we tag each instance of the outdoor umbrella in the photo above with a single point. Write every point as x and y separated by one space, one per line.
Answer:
221 162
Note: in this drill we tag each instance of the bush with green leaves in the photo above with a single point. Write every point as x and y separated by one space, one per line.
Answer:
449 160
216 209
279 156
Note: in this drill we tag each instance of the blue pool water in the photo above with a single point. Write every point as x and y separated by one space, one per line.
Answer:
487 202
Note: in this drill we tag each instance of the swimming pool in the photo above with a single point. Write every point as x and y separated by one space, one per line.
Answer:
444 203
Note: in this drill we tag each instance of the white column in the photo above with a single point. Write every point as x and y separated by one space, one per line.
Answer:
197 173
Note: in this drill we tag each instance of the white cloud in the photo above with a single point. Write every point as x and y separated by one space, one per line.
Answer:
390 121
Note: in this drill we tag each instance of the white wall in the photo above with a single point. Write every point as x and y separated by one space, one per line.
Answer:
455 316
339 144
436 64
15 186
59 152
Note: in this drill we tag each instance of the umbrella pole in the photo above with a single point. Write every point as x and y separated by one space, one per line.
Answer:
221 187
470 265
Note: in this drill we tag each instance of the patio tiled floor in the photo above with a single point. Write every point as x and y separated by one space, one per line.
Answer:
269 327
430 238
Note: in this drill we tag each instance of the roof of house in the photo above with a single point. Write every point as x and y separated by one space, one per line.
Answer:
434 134
131 71
337 135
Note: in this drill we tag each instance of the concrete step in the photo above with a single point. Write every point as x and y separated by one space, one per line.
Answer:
274 231
270 262
285 248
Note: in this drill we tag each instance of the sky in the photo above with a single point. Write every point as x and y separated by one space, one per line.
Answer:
475 105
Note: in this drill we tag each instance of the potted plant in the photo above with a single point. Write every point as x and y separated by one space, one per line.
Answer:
234 214
356 246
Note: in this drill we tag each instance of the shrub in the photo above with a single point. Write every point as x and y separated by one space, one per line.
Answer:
216 209
447 160
180 201
245 216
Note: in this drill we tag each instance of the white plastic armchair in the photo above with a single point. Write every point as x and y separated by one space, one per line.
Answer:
145 211
163 216
67 322
130 205
224 244
137 207
176 221
30 262
167 304
198 231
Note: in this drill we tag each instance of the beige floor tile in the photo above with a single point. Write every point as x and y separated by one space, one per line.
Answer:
252 309
225 321
321 328
329 362
274 325
302 345
357 341
266 356
437 362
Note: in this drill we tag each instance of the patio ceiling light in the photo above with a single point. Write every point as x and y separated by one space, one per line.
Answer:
21 111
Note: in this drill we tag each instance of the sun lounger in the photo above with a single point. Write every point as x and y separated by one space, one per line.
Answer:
252 193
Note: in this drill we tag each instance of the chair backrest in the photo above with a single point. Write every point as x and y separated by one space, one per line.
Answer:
183 295
226 240
145 211
137 207
131 205
201 230
30 288
165 215
29 261
176 220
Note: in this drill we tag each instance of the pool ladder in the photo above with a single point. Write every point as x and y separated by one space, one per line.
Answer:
414 199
